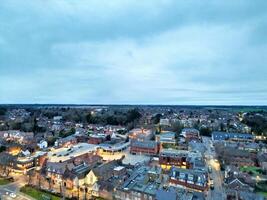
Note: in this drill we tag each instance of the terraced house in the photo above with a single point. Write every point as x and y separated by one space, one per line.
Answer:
193 179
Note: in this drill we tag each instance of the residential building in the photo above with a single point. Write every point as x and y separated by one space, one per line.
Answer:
222 136
179 158
166 137
141 134
190 134
147 147
193 179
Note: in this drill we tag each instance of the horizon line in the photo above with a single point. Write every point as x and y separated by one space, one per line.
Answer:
114 104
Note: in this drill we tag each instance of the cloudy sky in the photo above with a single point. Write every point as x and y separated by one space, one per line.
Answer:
133 52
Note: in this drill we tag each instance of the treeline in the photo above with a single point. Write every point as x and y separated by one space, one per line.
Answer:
124 117
29 125
104 117
114 118
257 122
2 111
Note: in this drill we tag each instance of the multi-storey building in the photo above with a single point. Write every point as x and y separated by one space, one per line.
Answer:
147 147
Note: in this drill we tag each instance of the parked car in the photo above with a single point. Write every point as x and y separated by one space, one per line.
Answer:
211 184
13 195
209 169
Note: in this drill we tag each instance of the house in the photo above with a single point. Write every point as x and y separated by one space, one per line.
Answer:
172 157
6 163
66 142
70 179
147 147
197 146
140 134
55 172
190 134
97 138
167 137
42 144
103 189
262 160
21 163
164 122
222 136
163 194
101 173
179 158
234 183
57 118
40 158
193 179
174 193
233 156
142 184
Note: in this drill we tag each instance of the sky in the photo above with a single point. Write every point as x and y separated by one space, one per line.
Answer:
186 52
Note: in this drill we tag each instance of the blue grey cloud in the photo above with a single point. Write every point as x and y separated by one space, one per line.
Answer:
138 52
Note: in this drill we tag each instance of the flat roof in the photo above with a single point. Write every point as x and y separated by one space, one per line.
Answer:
63 154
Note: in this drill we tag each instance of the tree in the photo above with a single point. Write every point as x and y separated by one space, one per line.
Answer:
2 148
156 118
108 138
111 120
35 126
89 118
2 111
205 131
133 115
127 139
222 128
64 133
177 127
15 125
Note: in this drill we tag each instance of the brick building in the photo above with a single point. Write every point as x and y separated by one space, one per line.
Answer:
144 147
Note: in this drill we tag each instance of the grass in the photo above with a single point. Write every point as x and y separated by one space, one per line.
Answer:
38 194
253 170
4 181
261 188
169 146
262 193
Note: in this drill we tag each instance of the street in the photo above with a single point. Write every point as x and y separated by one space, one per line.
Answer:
218 193
14 187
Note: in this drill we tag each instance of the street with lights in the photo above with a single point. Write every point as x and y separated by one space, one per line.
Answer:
11 191
218 192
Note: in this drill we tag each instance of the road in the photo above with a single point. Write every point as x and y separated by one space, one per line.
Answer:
218 193
14 187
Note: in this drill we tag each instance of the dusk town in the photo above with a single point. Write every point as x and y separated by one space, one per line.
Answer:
133 100
126 152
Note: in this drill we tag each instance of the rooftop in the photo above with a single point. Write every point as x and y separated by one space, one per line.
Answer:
63 154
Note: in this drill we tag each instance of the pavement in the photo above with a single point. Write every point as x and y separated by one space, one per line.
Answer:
14 187
128 157
218 193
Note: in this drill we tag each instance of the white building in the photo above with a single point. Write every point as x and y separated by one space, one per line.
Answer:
42 144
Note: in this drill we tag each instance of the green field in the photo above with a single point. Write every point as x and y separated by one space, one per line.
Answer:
253 170
38 194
